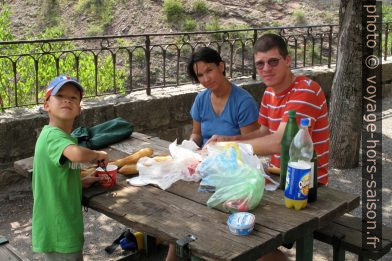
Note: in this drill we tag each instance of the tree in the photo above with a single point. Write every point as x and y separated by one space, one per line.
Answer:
346 102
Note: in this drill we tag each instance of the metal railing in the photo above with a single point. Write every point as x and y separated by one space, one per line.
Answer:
122 64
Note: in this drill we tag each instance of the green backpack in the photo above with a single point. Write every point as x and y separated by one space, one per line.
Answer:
104 134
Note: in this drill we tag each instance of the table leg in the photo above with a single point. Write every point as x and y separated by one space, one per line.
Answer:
339 254
150 244
304 248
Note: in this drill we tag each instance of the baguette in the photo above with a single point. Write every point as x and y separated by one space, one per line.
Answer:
128 169
273 170
87 172
133 158
162 158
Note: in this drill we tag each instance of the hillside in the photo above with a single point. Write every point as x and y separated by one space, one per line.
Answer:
119 17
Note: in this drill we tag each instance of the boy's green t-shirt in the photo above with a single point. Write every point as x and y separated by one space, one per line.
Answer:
57 190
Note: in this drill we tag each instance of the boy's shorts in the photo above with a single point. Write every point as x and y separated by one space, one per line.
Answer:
54 256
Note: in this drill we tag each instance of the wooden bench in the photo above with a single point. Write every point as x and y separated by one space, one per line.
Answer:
345 234
9 253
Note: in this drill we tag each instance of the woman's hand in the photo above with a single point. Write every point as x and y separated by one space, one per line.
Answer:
218 138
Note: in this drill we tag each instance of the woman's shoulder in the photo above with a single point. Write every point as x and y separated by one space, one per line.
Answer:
240 92
206 93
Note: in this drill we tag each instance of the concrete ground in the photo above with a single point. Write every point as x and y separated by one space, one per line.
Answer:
100 231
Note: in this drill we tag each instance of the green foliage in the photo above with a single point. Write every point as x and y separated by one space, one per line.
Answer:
213 25
299 17
329 18
95 30
238 35
275 23
139 2
102 10
139 55
387 18
5 24
199 7
308 55
49 13
88 5
190 24
386 13
26 89
173 9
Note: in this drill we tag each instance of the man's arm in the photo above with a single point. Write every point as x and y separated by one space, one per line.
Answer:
250 128
263 142
267 144
260 132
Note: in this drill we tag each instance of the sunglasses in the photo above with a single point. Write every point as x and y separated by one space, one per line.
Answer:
273 62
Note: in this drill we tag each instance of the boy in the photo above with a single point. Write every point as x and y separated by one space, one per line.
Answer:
57 229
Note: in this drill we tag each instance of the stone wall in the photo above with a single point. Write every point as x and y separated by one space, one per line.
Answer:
164 114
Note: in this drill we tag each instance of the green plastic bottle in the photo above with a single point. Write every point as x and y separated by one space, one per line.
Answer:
288 135
312 196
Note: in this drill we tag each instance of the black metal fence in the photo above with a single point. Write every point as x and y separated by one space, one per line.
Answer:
122 64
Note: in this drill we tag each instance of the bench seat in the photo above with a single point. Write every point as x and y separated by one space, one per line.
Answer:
9 253
345 234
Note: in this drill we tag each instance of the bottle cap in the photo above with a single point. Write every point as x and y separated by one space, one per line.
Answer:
305 122
292 113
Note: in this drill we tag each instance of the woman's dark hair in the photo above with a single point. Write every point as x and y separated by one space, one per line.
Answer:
203 54
269 41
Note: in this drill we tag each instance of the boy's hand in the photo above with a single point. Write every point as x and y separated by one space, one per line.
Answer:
88 180
102 157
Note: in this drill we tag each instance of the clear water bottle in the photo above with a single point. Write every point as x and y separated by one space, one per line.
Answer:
299 168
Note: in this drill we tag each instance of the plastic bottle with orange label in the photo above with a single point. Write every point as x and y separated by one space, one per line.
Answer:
299 168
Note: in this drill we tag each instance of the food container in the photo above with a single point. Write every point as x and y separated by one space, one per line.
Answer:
241 223
110 175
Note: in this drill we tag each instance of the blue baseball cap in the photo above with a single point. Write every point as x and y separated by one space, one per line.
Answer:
58 82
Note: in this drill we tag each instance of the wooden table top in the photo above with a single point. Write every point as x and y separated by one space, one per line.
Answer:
181 210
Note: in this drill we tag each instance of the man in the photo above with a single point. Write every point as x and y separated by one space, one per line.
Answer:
285 92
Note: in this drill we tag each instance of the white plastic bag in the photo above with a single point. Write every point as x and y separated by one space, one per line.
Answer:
160 173
182 165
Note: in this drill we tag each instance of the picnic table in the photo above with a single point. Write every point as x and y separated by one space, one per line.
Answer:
181 211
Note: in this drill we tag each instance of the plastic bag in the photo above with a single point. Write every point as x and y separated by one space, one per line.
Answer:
224 157
182 165
243 152
210 169
241 189
160 173
230 169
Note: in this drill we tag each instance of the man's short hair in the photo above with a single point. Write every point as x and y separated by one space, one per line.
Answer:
269 41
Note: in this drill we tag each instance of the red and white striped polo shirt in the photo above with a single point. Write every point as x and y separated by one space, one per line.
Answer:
306 97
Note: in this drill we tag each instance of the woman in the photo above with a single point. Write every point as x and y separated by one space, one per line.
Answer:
222 108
